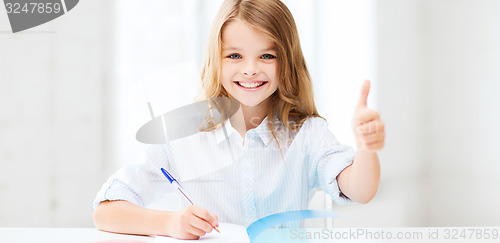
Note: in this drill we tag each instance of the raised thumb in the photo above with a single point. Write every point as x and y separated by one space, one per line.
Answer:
365 89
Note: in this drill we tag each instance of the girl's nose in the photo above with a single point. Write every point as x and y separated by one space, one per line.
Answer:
249 74
250 69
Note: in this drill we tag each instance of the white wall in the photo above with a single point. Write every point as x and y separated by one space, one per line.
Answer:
400 196
461 79
438 78
53 101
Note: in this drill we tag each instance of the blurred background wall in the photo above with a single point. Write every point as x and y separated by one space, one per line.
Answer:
438 78
73 91
54 96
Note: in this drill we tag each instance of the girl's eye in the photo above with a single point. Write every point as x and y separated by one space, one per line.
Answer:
234 56
268 56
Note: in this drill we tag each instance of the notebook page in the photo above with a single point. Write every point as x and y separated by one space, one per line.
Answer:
229 233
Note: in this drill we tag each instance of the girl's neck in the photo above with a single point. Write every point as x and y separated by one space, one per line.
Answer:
248 117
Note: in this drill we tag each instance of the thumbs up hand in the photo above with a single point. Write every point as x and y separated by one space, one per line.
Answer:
367 125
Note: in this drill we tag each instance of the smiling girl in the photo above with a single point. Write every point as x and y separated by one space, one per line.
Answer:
284 148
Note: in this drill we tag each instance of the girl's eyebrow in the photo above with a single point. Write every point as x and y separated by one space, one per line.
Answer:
269 49
237 49
231 49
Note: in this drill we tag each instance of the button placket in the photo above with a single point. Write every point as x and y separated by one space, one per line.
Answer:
248 176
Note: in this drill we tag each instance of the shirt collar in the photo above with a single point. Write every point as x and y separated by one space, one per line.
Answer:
262 131
220 136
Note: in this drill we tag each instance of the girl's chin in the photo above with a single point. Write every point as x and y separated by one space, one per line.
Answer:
251 102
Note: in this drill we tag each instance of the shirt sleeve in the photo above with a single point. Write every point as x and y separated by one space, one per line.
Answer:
140 183
327 158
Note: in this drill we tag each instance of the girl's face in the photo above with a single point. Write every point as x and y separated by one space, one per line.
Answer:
249 64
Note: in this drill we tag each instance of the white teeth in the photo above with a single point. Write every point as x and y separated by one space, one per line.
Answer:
250 85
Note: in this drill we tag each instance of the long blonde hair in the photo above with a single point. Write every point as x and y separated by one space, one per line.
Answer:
293 102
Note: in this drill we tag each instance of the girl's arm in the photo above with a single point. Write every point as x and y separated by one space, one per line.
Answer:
360 180
125 217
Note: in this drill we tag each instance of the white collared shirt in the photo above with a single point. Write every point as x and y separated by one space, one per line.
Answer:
239 180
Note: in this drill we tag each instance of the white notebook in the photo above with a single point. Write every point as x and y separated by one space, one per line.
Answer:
228 233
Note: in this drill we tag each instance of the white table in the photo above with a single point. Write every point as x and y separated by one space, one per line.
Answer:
229 233
66 235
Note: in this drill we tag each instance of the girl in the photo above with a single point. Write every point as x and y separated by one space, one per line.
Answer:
283 149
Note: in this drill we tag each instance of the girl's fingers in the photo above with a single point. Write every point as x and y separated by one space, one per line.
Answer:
203 214
371 127
365 115
216 221
189 236
199 220
200 212
365 90
201 224
193 230
373 138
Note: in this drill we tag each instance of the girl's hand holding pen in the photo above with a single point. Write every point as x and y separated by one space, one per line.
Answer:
190 223
367 125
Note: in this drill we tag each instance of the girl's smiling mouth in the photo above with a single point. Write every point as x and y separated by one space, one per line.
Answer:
250 85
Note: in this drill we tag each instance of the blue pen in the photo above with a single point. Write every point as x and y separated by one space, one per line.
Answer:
175 183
